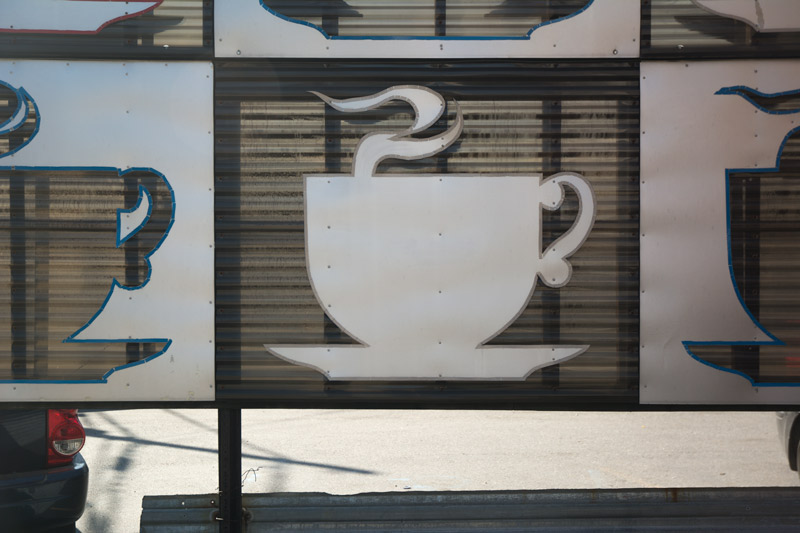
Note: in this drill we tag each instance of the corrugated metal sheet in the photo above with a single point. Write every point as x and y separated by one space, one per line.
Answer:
454 18
750 509
176 28
519 117
681 29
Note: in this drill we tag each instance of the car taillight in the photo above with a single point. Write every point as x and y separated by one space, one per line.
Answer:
65 436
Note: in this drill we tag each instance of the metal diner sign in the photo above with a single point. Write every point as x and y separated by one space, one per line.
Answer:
79 127
330 204
733 107
577 28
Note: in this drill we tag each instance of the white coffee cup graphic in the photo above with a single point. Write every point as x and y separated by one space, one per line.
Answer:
762 15
68 16
424 270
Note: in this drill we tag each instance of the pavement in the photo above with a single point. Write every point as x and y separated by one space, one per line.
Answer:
134 453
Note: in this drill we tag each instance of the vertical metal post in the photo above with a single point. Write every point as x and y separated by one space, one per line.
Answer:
19 265
229 344
229 435
41 275
19 272
440 14
628 273
647 25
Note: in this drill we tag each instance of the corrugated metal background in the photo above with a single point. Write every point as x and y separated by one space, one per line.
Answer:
680 29
519 117
58 257
733 509
175 29
454 18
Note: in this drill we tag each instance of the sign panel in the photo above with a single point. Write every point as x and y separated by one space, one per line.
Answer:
400 203
427 235
70 16
716 29
763 15
707 318
112 29
91 146
427 29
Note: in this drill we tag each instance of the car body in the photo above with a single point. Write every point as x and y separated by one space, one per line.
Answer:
43 478
789 433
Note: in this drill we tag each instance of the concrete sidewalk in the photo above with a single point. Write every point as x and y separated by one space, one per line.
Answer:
155 452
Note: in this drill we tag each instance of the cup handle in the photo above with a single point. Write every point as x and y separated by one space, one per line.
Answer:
555 270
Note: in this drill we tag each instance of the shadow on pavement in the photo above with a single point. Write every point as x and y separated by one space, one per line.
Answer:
100 434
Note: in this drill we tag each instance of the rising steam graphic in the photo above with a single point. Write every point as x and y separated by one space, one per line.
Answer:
375 147
24 122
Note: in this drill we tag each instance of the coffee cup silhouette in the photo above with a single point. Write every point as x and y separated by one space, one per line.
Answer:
423 271
68 16
764 361
73 234
762 15
511 18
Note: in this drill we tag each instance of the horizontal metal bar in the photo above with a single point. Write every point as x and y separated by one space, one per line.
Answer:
687 509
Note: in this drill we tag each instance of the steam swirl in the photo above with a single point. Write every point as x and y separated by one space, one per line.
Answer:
20 122
375 147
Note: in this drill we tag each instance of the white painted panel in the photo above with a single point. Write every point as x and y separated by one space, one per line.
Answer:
68 16
695 125
135 115
763 15
605 28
